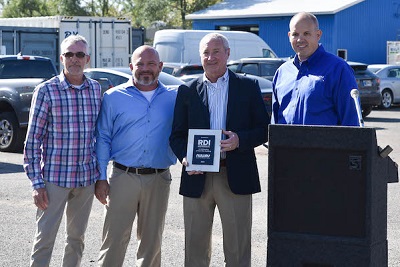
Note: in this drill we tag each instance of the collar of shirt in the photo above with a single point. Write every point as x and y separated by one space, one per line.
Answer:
130 86
313 59
221 80
65 84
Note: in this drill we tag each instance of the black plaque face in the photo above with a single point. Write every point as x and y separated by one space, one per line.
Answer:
203 149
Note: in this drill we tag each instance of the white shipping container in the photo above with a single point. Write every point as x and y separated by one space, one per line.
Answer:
108 37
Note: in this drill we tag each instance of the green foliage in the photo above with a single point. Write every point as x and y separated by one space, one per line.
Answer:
170 13
71 8
25 8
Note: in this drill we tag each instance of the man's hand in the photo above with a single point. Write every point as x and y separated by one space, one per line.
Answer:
40 198
102 189
231 143
186 163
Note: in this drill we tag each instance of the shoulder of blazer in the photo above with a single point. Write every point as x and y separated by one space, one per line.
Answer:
233 75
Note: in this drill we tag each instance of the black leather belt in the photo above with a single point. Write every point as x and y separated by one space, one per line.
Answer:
138 170
222 163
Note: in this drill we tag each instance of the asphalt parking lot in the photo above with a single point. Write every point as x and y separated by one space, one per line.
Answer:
17 212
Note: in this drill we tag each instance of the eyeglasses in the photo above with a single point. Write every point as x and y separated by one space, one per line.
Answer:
77 54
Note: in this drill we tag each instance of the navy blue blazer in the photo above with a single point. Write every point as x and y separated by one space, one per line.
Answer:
246 115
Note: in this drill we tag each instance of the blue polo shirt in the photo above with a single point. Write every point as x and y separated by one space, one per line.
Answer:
315 92
134 131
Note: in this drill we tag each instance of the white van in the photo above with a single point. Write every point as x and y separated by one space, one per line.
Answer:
182 46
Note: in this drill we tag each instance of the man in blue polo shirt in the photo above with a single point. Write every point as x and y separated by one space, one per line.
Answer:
133 129
314 87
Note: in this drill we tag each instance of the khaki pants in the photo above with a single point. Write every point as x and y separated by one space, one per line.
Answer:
131 194
78 202
236 217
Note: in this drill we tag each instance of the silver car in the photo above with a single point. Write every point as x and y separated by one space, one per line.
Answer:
389 76
110 77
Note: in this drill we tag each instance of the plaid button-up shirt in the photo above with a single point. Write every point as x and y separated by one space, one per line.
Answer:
60 141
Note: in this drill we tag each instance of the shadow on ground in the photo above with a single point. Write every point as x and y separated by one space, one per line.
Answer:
10 168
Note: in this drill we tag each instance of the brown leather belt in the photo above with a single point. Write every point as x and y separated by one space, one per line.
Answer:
137 170
222 163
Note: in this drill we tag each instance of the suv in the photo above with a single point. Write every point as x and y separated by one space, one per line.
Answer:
19 76
368 86
263 67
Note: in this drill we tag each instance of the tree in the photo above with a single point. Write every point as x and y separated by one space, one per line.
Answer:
172 12
25 8
71 8
186 7
104 8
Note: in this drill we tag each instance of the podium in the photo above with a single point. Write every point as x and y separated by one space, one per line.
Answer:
327 197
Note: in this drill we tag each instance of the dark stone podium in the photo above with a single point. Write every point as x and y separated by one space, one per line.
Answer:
327 197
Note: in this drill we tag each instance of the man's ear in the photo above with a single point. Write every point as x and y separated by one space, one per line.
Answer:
319 34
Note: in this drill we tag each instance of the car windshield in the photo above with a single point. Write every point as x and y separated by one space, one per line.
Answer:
16 69
269 69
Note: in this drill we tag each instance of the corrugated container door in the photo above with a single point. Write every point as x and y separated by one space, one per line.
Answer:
113 43
84 26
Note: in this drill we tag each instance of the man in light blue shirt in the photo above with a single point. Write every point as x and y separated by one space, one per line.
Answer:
133 128
314 87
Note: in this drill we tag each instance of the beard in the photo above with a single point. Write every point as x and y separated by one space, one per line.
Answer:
146 78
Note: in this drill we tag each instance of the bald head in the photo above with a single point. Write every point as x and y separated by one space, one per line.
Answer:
144 49
146 67
304 34
304 16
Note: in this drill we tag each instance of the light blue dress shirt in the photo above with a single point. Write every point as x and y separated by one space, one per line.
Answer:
315 92
134 131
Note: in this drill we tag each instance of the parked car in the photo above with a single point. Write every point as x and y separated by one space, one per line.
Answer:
19 75
189 77
368 86
389 76
180 69
266 90
117 76
263 67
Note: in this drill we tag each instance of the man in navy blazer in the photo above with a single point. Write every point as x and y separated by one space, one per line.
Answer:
220 99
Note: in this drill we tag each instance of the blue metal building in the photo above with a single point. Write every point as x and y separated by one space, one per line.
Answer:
355 29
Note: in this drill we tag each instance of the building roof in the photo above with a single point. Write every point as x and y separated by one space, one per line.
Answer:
270 8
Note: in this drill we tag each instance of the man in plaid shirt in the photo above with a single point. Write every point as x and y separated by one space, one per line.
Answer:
59 155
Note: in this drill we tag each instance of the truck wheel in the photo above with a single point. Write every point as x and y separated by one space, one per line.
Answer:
366 110
11 136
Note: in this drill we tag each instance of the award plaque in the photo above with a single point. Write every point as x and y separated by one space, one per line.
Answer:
203 150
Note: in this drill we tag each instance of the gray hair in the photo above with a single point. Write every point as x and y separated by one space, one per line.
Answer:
214 36
73 39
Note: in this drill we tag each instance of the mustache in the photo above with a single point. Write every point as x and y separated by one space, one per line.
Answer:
146 72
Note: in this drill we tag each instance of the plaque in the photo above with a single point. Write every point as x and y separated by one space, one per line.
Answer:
203 150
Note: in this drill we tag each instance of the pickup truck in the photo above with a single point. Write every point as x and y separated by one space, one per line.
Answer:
19 76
